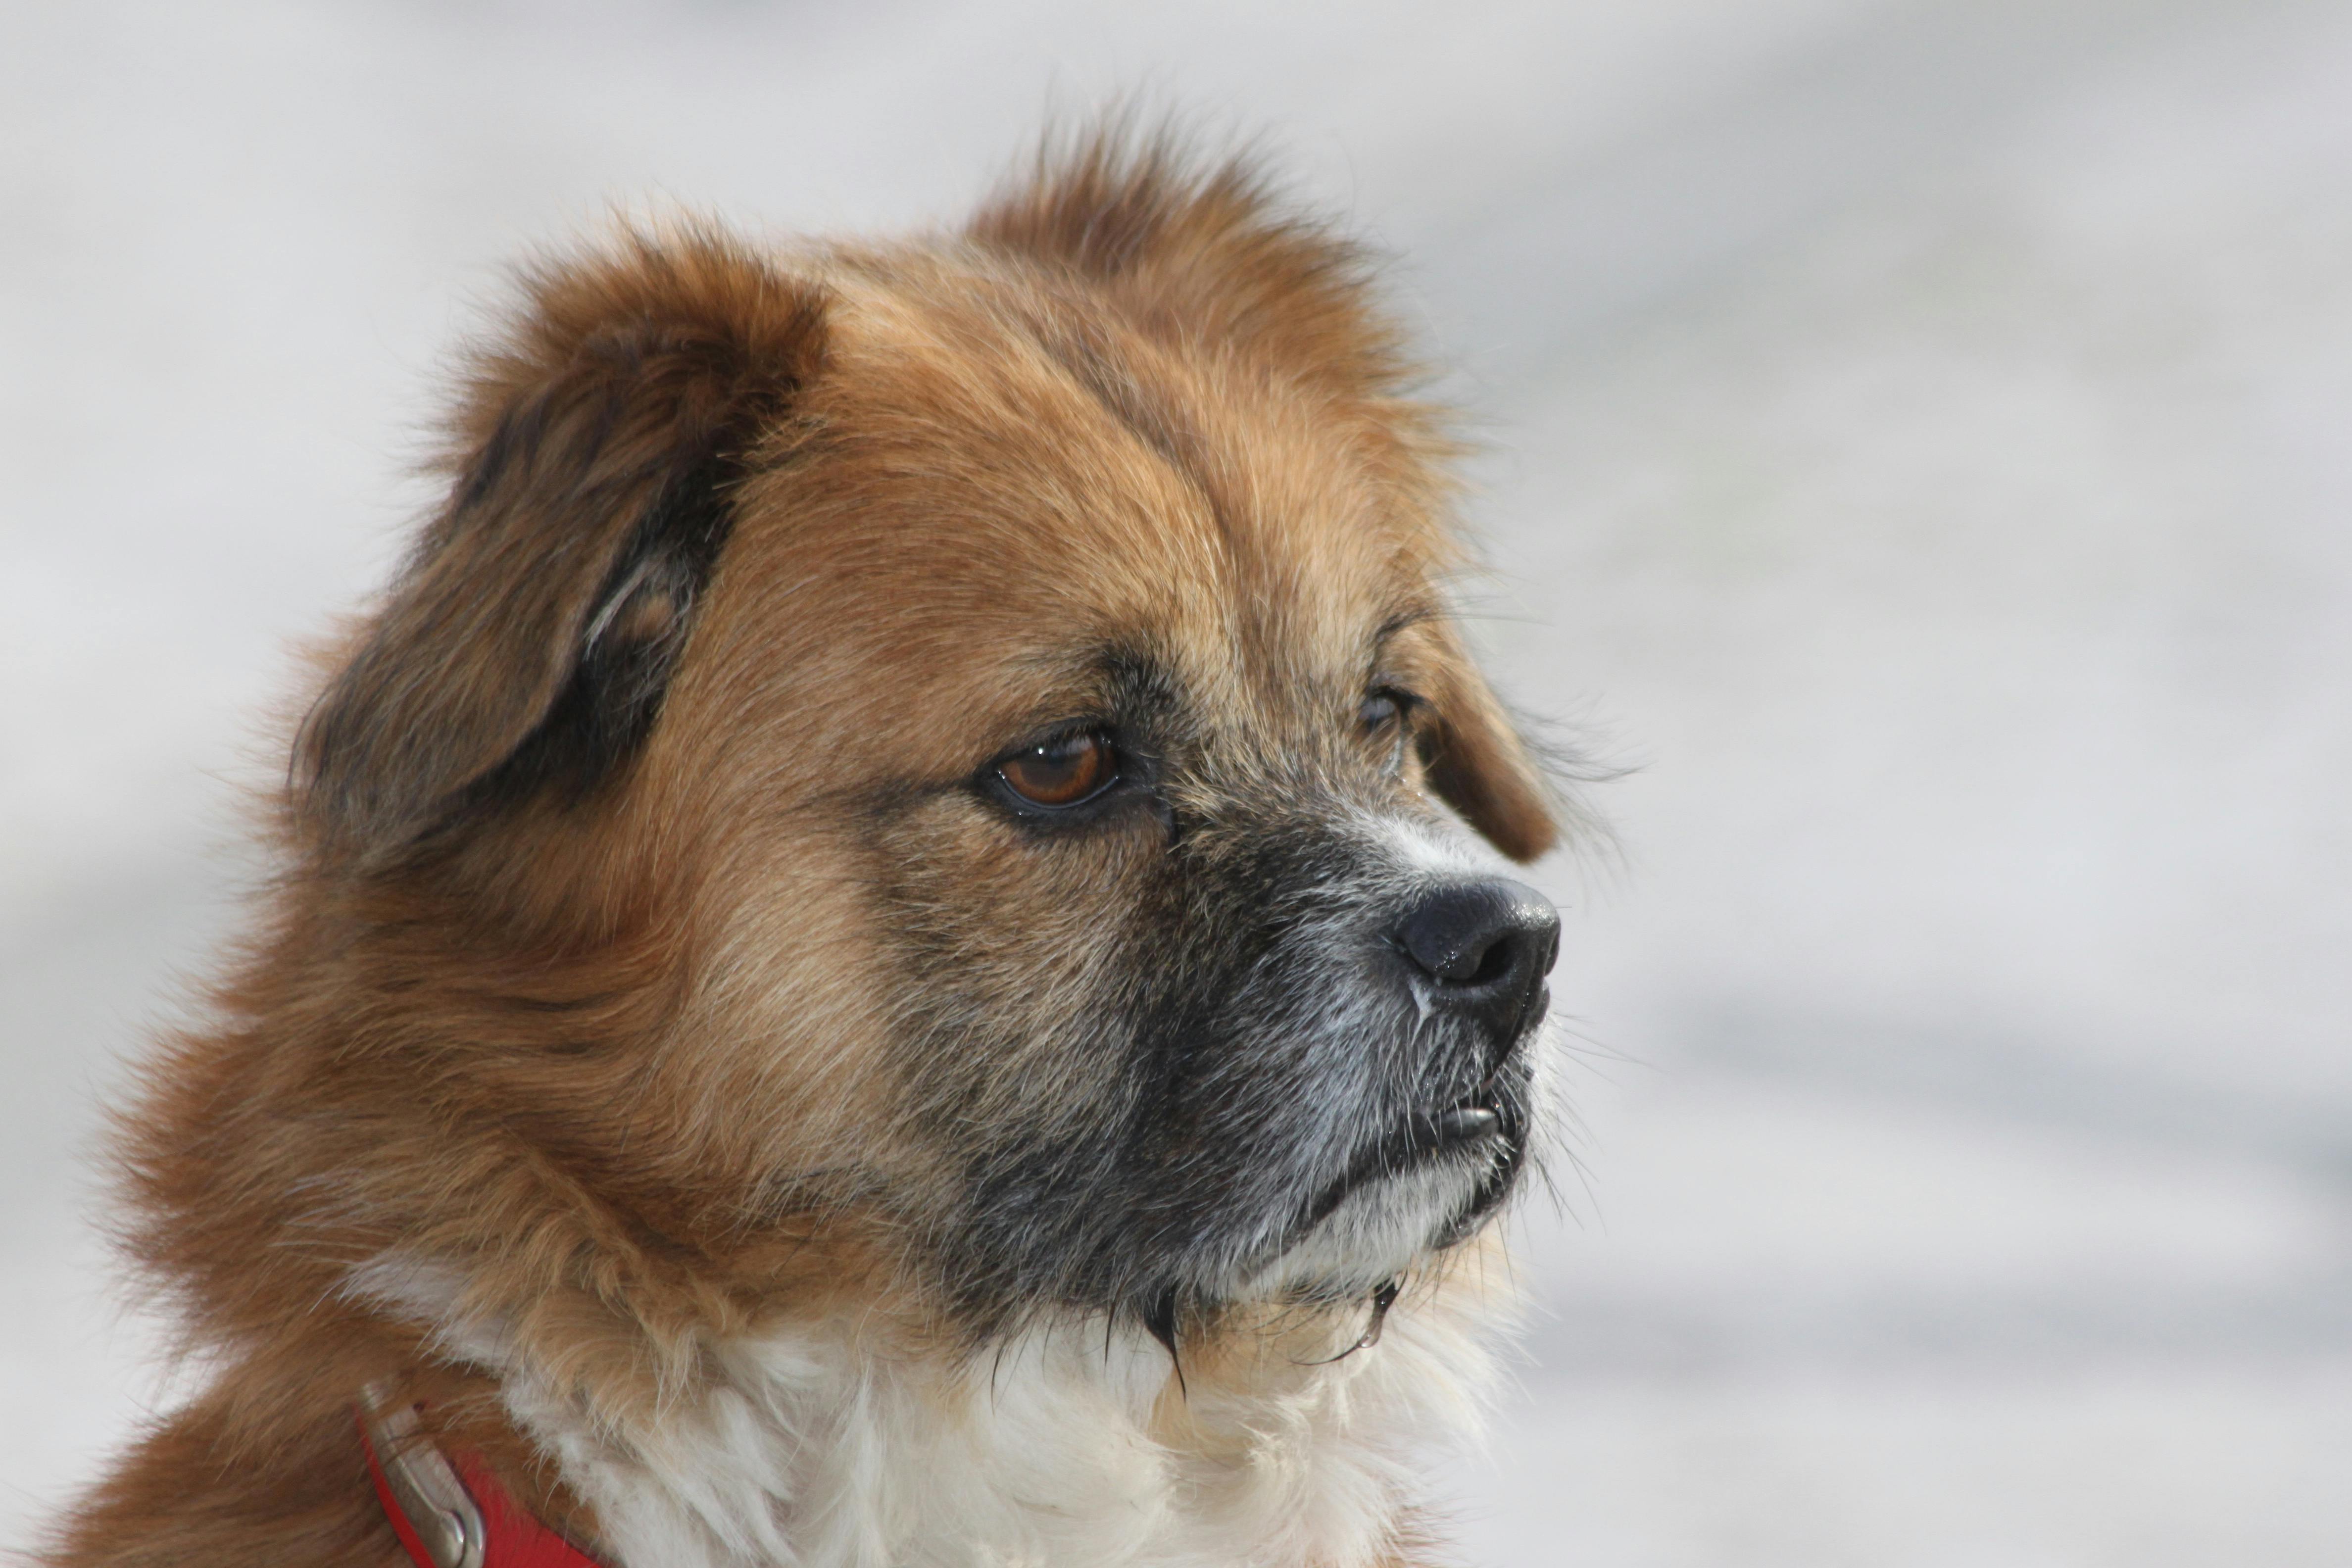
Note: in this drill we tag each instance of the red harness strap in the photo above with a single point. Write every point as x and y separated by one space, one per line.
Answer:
474 1522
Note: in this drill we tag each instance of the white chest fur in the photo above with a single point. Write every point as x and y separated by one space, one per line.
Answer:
805 1450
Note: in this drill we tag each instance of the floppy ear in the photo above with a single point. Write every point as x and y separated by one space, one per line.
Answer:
1479 766
527 645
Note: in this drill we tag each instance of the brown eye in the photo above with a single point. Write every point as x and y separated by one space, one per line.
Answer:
1061 772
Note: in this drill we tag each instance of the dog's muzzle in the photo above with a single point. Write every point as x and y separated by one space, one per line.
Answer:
1474 955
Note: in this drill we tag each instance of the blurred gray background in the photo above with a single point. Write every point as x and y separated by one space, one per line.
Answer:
1918 445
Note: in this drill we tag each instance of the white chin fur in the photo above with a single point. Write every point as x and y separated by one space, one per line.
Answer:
1378 1231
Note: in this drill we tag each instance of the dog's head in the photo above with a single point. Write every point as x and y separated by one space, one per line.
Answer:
964 744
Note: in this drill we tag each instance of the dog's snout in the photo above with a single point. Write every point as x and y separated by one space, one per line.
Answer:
1485 946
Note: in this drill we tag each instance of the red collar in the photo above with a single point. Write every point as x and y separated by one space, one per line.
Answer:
450 1514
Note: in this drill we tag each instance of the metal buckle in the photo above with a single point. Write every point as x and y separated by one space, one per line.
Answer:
435 1501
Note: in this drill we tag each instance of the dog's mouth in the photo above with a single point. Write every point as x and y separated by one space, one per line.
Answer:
1481 1120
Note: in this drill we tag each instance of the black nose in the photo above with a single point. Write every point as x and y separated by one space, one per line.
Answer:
1487 946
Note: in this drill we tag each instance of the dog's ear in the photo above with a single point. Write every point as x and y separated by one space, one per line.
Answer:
1478 764
1199 251
527 645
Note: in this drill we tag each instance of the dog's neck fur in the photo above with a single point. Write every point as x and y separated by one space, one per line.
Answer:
1069 1443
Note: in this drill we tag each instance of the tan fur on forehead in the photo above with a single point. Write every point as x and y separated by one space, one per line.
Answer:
1209 498
1008 459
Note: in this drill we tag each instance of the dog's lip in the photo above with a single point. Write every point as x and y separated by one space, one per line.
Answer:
1465 1124
1424 1133
1471 1121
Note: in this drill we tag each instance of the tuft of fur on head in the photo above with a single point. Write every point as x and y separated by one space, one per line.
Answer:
675 1056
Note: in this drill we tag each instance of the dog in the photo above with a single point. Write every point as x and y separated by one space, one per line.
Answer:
895 944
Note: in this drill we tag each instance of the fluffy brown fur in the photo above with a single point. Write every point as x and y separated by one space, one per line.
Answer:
646 959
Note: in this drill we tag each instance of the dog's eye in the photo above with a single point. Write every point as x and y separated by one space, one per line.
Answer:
1386 711
1062 772
1385 720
